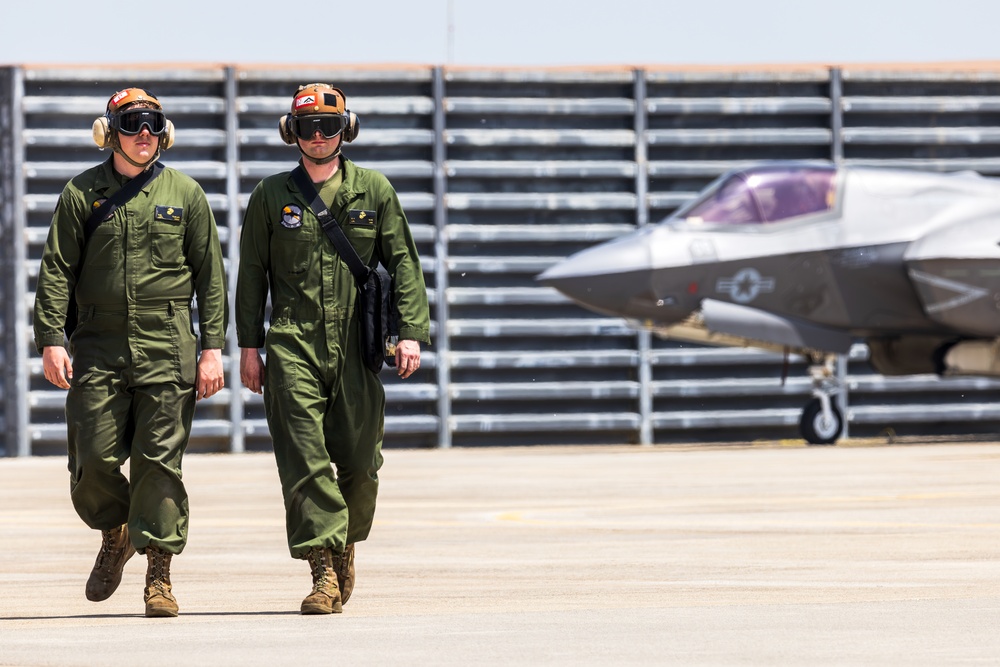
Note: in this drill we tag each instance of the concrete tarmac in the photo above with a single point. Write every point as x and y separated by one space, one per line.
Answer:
773 554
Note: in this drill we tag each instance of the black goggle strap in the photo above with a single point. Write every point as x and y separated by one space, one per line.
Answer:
131 121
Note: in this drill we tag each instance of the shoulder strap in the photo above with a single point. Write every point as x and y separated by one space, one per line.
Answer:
123 196
330 225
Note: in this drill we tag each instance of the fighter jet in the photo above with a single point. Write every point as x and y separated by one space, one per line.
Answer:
809 258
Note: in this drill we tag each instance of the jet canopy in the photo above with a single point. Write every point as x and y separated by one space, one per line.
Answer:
764 194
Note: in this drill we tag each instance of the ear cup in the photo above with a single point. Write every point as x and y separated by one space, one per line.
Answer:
353 127
285 130
101 132
167 138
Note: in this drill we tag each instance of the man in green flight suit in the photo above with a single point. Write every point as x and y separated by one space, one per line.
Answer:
324 407
135 373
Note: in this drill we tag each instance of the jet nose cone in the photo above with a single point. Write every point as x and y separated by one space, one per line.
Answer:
612 278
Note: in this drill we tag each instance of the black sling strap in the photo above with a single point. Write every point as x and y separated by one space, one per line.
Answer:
120 198
106 209
379 321
330 225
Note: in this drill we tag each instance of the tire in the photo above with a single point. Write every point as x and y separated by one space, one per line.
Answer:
812 425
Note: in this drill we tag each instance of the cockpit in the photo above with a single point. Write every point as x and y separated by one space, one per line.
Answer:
763 195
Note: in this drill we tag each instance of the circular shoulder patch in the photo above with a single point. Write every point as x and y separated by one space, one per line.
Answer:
291 216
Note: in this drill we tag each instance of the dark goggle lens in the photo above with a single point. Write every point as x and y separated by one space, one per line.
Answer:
328 125
131 122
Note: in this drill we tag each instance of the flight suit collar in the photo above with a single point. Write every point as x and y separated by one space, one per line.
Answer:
349 190
107 179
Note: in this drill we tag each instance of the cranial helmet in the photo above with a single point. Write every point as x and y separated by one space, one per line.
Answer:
107 127
123 98
318 98
319 106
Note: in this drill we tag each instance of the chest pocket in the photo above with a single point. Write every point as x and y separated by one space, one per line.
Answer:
291 249
104 247
363 240
167 242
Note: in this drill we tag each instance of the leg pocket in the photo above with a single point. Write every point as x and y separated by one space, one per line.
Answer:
165 350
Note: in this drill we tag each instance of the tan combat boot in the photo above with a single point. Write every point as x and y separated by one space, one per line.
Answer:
345 573
115 551
159 600
325 596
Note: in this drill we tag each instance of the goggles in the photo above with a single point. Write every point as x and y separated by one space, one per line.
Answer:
131 121
327 124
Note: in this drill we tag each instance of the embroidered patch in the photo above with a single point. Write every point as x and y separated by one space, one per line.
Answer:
291 216
98 203
361 217
304 100
119 96
168 213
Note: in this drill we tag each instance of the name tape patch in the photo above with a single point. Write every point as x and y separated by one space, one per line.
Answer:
169 213
361 217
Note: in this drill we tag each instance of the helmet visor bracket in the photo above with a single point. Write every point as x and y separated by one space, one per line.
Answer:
329 125
131 121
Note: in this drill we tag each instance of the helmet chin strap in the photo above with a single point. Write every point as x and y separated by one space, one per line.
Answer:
329 158
117 147
323 160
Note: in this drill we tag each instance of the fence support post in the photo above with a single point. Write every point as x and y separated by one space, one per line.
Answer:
233 220
837 155
441 343
15 276
644 339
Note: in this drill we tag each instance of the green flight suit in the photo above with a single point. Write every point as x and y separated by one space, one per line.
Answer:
134 349
322 405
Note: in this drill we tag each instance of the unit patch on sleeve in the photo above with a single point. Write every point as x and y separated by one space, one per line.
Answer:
291 216
361 217
168 213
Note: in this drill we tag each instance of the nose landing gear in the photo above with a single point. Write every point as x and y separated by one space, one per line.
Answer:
822 422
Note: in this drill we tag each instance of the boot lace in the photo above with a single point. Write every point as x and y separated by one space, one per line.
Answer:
322 568
344 564
157 571
107 544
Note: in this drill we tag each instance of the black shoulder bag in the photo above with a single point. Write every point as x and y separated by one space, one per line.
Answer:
376 304
102 213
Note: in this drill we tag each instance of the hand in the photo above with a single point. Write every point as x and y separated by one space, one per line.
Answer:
210 374
407 357
56 365
252 369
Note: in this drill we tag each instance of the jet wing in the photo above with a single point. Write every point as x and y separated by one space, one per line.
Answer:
722 323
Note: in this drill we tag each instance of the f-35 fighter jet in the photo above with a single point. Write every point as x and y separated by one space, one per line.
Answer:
808 258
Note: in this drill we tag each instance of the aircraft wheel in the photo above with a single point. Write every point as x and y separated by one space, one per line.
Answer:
817 430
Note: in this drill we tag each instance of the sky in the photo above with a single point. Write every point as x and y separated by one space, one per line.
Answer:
510 33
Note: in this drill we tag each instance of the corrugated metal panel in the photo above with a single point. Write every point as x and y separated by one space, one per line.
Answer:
502 173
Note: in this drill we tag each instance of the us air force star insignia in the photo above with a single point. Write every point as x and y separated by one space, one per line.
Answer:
745 285
291 216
